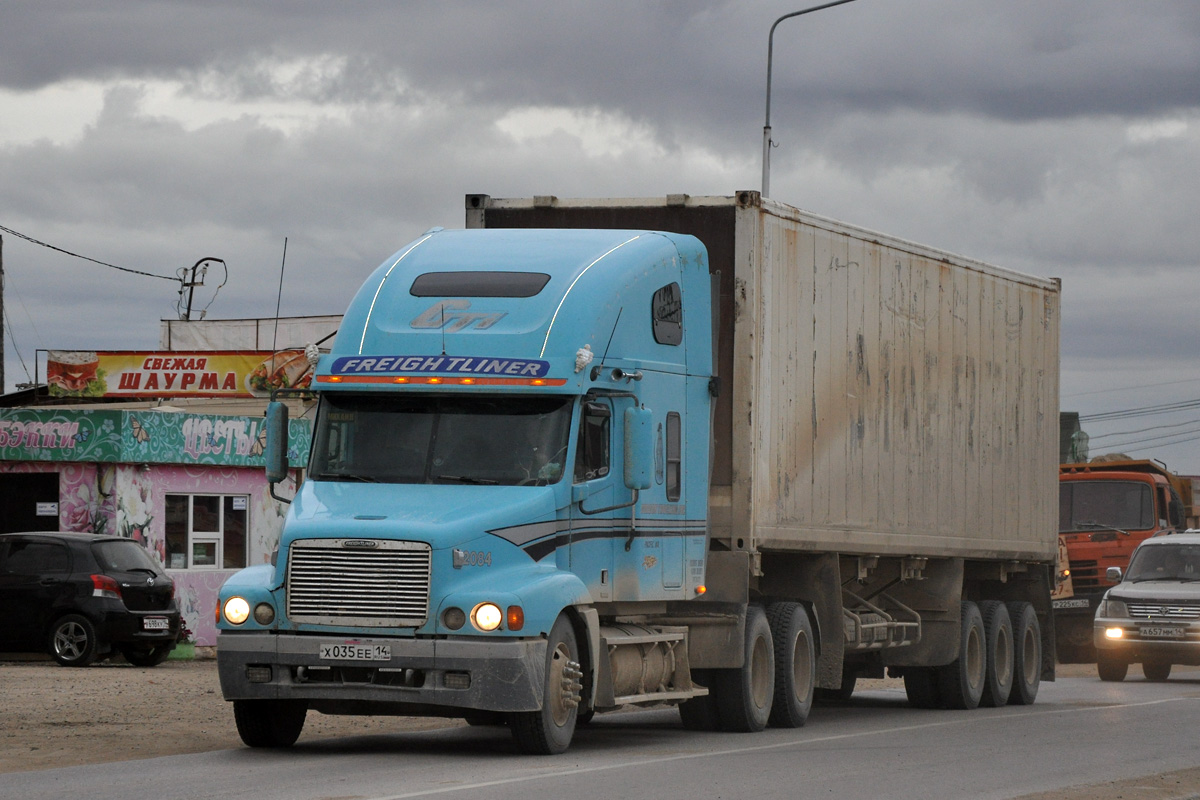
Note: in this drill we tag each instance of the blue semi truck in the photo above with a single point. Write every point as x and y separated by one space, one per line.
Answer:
710 452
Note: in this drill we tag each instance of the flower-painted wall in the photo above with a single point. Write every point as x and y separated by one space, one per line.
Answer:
116 469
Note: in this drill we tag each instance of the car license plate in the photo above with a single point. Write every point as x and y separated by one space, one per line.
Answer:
155 624
356 652
1073 602
1161 632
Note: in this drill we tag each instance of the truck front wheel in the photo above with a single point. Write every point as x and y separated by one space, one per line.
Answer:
269 723
549 731
744 695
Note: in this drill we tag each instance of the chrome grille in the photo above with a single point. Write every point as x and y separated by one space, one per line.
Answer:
1164 610
363 582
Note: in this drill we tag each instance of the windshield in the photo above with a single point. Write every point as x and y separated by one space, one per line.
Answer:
1165 562
1104 505
486 439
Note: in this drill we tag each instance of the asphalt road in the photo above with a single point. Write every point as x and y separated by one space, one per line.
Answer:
1080 732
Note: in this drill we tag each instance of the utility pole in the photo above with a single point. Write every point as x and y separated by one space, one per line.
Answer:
767 143
191 285
2 315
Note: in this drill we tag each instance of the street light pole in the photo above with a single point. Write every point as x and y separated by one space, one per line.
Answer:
766 169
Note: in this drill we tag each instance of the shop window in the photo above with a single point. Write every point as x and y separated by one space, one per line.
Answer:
206 531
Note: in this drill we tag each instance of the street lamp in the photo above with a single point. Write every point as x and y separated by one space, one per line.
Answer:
766 175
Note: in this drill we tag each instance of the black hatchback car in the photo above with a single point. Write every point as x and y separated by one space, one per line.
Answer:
82 597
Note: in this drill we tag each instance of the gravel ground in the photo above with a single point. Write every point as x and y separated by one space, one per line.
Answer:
51 716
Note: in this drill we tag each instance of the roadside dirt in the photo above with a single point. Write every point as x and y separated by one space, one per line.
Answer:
51 716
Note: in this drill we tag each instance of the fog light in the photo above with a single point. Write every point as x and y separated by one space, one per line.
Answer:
258 674
457 680
454 618
487 616
237 610
1113 633
264 614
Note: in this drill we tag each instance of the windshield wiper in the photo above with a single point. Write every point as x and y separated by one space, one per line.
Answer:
347 476
1091 524
468 479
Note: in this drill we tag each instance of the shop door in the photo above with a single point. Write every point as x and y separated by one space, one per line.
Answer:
28 502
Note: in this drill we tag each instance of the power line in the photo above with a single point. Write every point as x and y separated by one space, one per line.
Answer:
85 258
1144 430
1166 408
1128 388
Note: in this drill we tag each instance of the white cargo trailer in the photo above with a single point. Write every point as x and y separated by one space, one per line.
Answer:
884 450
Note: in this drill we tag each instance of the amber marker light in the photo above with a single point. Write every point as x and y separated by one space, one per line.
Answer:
515 618
701 589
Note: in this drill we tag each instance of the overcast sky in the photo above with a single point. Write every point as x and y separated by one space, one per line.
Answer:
1056 137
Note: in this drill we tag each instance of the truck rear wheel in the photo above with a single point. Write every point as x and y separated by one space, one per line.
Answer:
961 682
998 633
744 695
549 731
795 664
269 723
1027 653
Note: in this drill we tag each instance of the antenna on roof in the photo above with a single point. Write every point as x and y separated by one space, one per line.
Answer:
599 367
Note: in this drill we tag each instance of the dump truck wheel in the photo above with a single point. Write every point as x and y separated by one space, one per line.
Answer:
549 731
1027 653
744 695
269 723
795 664
998 635
961 682
1156 670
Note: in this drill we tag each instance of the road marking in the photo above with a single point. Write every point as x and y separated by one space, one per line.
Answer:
759 748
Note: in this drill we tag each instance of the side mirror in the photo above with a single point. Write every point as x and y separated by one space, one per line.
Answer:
277 442
639 447
1113 574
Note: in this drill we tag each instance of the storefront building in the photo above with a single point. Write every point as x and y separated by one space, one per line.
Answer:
190 487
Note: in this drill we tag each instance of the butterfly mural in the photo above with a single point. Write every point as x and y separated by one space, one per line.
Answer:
260 444
140 434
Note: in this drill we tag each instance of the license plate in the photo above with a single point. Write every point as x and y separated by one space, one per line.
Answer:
1161 632
1073 602
356 652
155 624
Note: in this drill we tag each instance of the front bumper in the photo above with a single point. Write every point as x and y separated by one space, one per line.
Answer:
423 676
1143 640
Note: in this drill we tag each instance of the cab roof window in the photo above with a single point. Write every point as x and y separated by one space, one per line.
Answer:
478 284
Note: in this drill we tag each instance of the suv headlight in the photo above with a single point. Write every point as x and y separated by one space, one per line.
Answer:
1112 608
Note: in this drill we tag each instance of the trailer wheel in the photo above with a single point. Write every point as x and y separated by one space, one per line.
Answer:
998 633
961 682
921 686
1156 670
795 664
1111 668
744 695
700 713
549 731
269 723
1027 653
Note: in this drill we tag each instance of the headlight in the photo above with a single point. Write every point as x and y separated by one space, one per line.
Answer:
237 610
487 616
1112 608
264 614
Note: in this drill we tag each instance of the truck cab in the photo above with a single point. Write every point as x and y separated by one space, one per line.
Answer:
494 406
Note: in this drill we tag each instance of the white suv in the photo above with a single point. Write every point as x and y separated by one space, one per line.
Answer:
1153 615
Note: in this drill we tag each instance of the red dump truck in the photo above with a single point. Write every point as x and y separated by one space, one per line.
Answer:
1106 507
